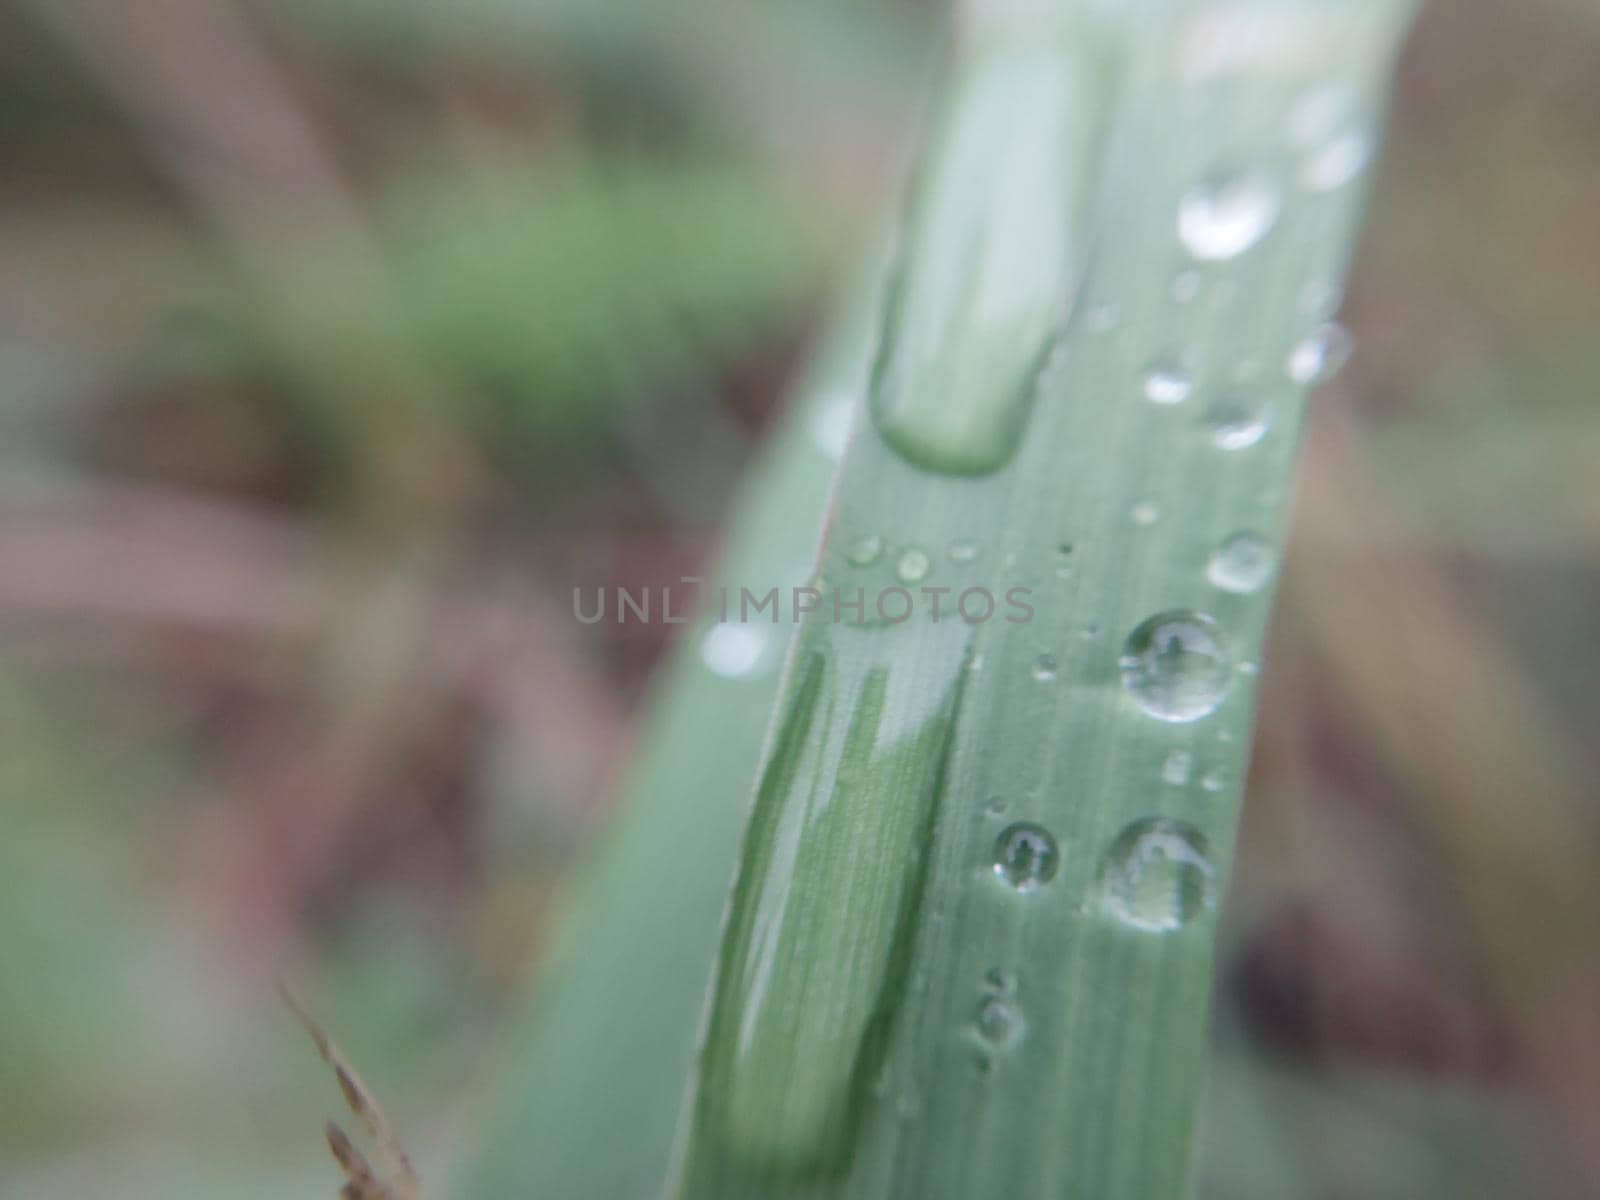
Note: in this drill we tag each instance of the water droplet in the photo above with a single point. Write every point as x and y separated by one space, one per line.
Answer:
998 1022
961 349
1089 632
830 428
1249 668
1318 357
1242 563
1025 856
1044 668
1186 286
1337 163
1237 424
1175 771
913 565
996 807
1145 512
1317 112
732 650
1000 981
1224 217
1157 876
865 550
1213 780
1167 383
963 551
1175 667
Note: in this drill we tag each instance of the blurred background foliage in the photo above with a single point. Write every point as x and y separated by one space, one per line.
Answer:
339 339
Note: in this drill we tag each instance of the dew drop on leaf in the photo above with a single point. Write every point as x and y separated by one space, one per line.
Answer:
732 650
1223 217
865 550
913 565
1237 424
1176 769
1241 564
1318 357
1158 876
1175 667
1167 383
1025 856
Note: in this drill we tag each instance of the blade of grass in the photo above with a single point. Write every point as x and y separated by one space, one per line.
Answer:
610 1038
969 945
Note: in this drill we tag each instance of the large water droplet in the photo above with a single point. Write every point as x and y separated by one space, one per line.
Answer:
1242 563
732 650
1237 424
1167 383
1223 217
1318 357
1157 876
913 565
1025 856
865 550
1175 667
991 257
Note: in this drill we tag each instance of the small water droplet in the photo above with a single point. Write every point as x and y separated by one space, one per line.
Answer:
1175 771
1145 512
1044 668
1089 632
732 650
1337 163
1213 780
1000 981
913 565
1167 383
998 1022
865 550
830 428
1242 563
1318 357
963 551
1225 216
1157 877
1025 856
1249 668
996 807
1186 286
1237 425
1175 667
